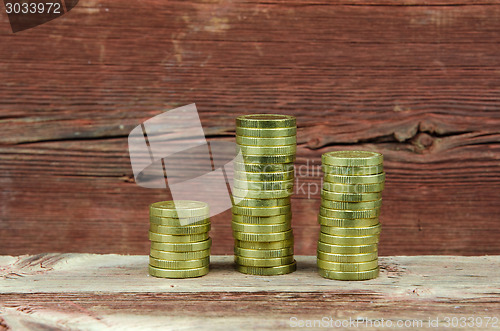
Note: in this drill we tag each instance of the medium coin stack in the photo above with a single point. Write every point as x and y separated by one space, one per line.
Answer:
350 206
180 245
263 184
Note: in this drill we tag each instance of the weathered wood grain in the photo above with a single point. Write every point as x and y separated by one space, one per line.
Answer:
416 80
95 292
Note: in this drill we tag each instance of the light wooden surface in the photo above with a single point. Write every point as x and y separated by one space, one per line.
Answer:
96 292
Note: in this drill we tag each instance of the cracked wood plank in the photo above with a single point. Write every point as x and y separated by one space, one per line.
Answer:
93 292
415 80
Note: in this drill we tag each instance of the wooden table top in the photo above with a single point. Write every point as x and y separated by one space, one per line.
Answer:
96 292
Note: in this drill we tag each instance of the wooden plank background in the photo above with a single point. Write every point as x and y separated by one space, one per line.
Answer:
418 81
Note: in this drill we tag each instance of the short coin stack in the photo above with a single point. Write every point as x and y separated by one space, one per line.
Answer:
263 184
350 206
180 245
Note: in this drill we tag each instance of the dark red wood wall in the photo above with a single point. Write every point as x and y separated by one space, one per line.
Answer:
418 81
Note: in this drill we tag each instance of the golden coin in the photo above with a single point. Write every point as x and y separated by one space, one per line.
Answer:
350 197
257 141
268 158
167 238
263 253
351 205
365 179
182 247
353 188
245 202
179 256
266 121
345 249
341 275
179 209
261 194
266 133
261 228
178 273
264 185
262 219
354 266
352 158
348 241
169 221
268 262
177 264
247 236
263 168
264 245
347 258
347 223
268 271
352 171
351 214
351 232
261 211
263 176
177 230
267 150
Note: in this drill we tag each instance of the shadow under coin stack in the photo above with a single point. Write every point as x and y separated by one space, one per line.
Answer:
263 185
350 205
180 245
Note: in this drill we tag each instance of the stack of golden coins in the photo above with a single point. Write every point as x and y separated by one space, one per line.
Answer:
263 184
350 207
180 245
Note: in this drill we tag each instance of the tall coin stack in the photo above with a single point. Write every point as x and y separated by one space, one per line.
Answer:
263 184
350 205
180 245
